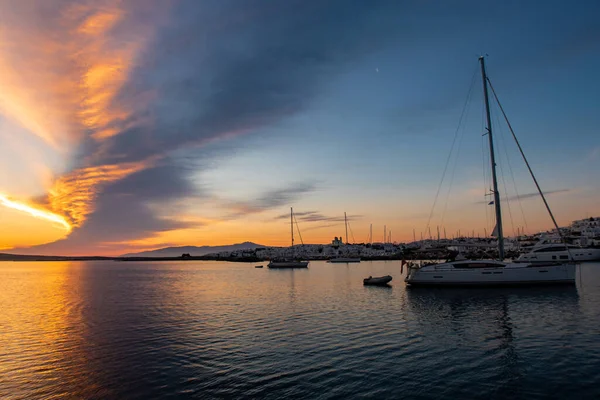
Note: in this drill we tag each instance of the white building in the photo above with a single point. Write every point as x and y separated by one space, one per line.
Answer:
337 241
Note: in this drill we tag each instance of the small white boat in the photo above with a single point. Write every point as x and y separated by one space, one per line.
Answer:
558 252
341 260
381 280
288 264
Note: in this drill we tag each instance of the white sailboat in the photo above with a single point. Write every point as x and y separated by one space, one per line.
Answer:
289 263
492 272
345 260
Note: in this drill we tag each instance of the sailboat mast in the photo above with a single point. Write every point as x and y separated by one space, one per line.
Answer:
292 223
493 162
346 224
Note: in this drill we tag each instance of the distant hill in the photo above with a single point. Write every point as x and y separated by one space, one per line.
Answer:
194 250
29 257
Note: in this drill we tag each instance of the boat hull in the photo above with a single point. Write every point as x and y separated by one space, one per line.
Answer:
343 260
517 274
492 284
288 264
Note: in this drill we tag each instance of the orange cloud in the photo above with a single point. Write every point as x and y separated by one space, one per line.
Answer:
99 22
73 194
62 67
105 68
61 76
33 95
35 211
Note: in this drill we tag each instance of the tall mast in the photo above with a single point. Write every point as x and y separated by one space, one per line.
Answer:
346 224
292 223
493 162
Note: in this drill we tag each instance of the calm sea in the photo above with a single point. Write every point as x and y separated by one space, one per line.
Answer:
225 330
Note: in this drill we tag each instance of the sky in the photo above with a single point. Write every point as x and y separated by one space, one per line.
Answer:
129 125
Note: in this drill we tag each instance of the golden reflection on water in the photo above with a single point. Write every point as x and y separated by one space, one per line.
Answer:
41 331
226 330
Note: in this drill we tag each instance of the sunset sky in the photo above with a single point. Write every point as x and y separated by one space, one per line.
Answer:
132 125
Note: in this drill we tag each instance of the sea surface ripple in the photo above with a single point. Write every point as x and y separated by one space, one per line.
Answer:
99 330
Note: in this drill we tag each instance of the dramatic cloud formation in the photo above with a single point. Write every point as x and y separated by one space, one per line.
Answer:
123 89
117 108
63 63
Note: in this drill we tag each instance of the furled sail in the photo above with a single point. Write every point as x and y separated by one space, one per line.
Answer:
495 231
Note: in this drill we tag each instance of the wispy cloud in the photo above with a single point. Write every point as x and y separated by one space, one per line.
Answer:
594 154
527 196
64 63
312 228
271 199
315 216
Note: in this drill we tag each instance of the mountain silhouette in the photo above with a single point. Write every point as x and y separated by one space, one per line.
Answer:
194 250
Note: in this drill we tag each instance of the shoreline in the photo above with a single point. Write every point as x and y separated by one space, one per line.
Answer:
39 258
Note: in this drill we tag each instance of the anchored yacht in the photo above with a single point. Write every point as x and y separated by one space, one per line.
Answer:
490 273
493 272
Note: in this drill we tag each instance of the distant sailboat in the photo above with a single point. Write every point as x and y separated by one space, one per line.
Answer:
492 272
289 263
345 260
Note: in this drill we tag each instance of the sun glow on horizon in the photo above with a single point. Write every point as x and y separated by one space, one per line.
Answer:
35 212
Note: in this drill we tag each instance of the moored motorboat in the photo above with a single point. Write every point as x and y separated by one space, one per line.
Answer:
556 252
342 260
377 281
288 264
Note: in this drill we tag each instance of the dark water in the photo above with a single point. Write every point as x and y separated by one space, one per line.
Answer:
223 330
